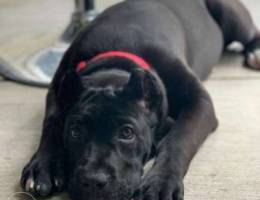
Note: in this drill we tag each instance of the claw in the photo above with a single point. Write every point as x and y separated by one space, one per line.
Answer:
254 59
29 186
43 189
58 184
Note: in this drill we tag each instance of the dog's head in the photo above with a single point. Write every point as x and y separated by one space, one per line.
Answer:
110 126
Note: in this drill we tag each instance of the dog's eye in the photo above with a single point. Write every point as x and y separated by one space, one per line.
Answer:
126 133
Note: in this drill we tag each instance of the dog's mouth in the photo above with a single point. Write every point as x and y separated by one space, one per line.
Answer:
114 191
117 193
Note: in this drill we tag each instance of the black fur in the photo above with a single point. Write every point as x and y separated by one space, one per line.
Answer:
104 123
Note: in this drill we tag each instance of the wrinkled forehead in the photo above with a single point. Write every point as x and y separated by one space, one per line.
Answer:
105 108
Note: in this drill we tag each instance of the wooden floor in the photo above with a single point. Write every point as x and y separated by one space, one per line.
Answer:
227 166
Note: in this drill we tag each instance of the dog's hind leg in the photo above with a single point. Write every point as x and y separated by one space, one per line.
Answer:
237 25
44 174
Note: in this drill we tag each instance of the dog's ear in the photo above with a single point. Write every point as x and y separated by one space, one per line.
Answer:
69 89
143 86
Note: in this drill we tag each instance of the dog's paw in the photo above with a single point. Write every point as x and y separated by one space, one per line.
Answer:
158 187
42 176
252 54
253 59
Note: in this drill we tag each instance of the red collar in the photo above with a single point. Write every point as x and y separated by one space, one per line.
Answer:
134 58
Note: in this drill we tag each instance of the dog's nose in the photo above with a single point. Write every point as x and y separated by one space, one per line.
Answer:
97 180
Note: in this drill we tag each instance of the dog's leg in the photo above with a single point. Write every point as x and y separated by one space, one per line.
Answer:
237 25
44 173
195 120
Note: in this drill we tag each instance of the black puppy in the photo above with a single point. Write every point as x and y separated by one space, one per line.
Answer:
126 75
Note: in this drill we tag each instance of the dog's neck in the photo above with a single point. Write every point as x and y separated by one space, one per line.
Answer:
105 72
123 55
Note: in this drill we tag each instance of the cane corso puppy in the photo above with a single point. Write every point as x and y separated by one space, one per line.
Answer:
129 89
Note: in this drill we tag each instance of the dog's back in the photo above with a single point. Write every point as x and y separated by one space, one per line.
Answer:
182 28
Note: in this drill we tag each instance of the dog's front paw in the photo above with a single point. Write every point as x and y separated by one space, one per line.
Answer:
43 175
161 187
252 54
